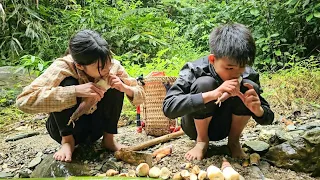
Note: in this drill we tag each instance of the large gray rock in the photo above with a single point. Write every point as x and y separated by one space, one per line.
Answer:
52 168
282 136
298 154
257 146
313 136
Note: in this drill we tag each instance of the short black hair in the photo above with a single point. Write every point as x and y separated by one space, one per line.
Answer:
87 47
233 41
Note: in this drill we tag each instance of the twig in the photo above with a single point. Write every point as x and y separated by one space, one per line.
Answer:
21 136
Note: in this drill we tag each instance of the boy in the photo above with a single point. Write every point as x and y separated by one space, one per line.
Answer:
200 83
69 80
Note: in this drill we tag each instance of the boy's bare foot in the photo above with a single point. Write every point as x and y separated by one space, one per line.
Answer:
198 152
236 150
64 154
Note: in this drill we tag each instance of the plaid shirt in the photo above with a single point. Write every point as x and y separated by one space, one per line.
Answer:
44 95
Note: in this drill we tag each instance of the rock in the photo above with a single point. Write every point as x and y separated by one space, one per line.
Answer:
24 174
310 125
318 115
304 118
312 136
28 171
296 154
267 134
283 136
264 165
290 127
98 167
109 165
16 176
34 162
39 154
5 175
257 146
52 168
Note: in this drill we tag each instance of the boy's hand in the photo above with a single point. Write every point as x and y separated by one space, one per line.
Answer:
230 86
252 100
89 90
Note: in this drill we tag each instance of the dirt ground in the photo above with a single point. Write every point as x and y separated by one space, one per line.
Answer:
21 152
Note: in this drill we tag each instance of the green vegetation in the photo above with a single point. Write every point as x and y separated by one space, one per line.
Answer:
158 35
162 35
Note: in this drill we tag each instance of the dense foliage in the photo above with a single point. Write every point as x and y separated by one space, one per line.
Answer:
156 35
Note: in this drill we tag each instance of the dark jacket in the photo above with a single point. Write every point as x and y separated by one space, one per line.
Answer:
179 101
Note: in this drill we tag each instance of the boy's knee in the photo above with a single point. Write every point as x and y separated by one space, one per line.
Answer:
69 81
203 84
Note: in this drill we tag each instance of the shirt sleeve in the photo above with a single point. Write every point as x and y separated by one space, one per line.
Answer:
179 101
268 115
44 94
138 91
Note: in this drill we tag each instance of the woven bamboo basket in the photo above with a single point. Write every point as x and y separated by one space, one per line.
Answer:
156 123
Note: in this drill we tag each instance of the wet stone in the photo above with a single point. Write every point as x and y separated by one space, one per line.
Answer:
296 154
52 168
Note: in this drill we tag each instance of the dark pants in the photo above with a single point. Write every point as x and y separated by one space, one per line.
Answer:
88 128
220 124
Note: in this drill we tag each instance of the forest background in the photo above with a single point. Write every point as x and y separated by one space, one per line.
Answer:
154 35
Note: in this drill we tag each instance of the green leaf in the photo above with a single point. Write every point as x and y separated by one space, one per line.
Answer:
40 67
280 64
33 58
306 2
265 48
291 11
135 37
316 14
278 52
275 35
254 12
309 17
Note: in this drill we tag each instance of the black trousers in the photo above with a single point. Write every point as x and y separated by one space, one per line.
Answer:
220 124
89 128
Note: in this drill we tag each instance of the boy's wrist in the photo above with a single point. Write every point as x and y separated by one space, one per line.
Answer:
260 112
210 96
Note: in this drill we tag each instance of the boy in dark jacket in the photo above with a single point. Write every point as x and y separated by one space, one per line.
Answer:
202 83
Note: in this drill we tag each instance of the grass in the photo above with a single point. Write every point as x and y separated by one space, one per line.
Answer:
293 88
10 115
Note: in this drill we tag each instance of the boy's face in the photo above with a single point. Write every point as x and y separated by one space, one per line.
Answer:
227 69
93 71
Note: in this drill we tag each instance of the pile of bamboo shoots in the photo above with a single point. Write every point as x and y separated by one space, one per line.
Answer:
188 172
